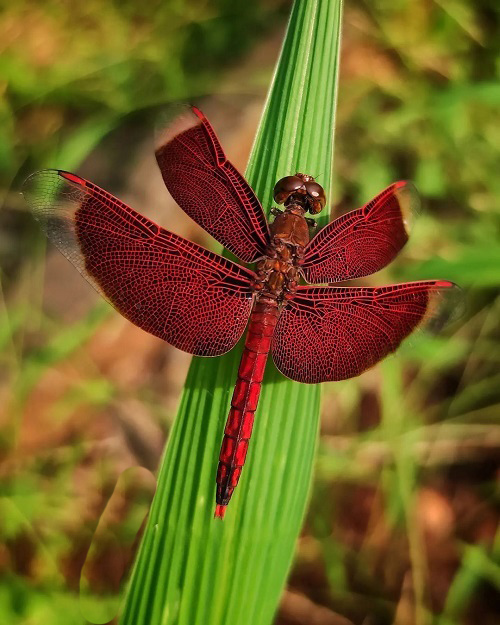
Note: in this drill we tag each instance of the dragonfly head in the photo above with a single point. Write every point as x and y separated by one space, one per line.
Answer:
300 189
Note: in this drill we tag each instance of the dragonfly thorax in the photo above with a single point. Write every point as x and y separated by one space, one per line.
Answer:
278 271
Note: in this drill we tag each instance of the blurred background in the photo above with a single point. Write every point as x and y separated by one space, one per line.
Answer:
402 526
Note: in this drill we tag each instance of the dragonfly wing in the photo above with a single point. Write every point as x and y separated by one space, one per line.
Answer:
334 333
363 241
177 290
209 188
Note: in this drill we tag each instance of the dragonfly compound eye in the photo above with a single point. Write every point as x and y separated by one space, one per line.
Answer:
285 187
317 195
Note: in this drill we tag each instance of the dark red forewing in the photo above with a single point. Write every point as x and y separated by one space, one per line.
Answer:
334 333
209 188
364 240
166 285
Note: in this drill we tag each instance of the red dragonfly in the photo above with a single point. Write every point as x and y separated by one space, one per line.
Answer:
201 302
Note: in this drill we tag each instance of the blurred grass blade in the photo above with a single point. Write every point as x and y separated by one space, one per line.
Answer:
112 544
191 568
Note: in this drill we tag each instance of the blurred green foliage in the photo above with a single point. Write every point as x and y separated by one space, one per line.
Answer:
421 102
71 71
419 99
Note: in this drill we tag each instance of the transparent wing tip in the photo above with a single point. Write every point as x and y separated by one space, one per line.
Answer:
409 201
174 121
447 305
41 189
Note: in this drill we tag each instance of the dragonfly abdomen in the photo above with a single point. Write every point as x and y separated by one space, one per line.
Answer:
245 399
